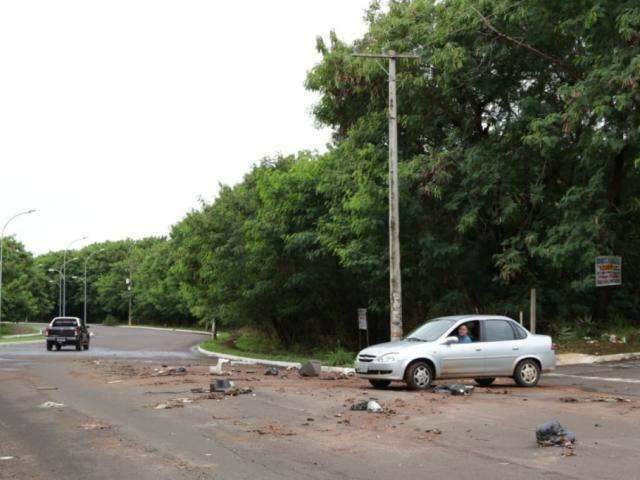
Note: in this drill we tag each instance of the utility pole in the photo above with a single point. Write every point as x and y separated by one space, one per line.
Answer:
395 276
64 274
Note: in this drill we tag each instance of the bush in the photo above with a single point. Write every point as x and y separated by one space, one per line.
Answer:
340 357
110 321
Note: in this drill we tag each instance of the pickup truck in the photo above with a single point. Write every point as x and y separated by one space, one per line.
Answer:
67 331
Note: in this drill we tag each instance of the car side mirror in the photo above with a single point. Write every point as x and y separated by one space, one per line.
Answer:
451 340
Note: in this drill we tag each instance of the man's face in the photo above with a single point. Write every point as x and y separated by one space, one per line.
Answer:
462 331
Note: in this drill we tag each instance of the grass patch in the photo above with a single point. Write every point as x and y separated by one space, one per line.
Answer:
248 343
20 339
17 329
586 337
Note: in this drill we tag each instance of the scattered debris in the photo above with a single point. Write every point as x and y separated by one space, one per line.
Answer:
434 431
162 406
569 400
7 458
273 430
367 405
95 426
46 388
114 381
176 371
197 390
52 405
554 434
312 368
611 400
616 339
272 371
454 389
221 385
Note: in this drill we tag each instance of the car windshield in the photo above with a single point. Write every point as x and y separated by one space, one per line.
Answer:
430 331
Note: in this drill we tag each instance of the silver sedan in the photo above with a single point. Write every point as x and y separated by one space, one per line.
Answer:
483 347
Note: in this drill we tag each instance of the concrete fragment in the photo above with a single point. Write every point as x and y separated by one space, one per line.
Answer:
312 368
373 406
272 371
51 405
217 368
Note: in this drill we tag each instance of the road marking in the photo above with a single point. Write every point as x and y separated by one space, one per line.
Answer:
601 379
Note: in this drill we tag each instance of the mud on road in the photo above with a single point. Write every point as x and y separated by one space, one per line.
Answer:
162 425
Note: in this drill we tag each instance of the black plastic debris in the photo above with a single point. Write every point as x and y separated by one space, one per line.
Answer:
272 371
454 389
554 434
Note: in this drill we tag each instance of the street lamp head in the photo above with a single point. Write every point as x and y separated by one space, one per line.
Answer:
33 210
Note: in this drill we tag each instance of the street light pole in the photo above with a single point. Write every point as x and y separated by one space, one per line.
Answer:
59 272
395 275
27 212
64 275
86 261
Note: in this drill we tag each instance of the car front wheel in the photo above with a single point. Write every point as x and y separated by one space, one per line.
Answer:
49 346
527 373
419 376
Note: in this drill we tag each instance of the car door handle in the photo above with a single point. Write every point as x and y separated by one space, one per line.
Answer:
478 349
516 348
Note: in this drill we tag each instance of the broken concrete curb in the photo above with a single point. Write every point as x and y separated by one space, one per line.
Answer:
274 363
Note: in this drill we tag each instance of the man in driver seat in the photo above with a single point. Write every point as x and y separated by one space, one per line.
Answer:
463 335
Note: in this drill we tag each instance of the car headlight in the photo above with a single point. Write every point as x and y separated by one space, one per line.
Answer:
387 357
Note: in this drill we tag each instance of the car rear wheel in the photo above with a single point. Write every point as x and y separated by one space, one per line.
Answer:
78 346
527 373
419 376
485 382
49 346
86 347
380 383
58 347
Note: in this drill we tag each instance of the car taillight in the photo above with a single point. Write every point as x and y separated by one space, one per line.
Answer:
553 347
77 331
46 332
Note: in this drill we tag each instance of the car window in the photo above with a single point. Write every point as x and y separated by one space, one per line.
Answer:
65 323
498 331
520 332
473 332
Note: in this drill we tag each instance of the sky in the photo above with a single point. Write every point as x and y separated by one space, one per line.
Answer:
117 116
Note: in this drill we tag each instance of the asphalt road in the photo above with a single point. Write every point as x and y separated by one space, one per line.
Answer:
292 428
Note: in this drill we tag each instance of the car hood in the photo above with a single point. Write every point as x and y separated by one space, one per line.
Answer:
387 347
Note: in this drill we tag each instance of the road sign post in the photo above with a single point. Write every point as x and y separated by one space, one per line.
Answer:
362 325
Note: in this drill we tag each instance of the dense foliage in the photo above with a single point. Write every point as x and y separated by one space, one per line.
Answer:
519 163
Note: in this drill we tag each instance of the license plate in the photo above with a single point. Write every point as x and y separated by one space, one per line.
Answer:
61 339
361 370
